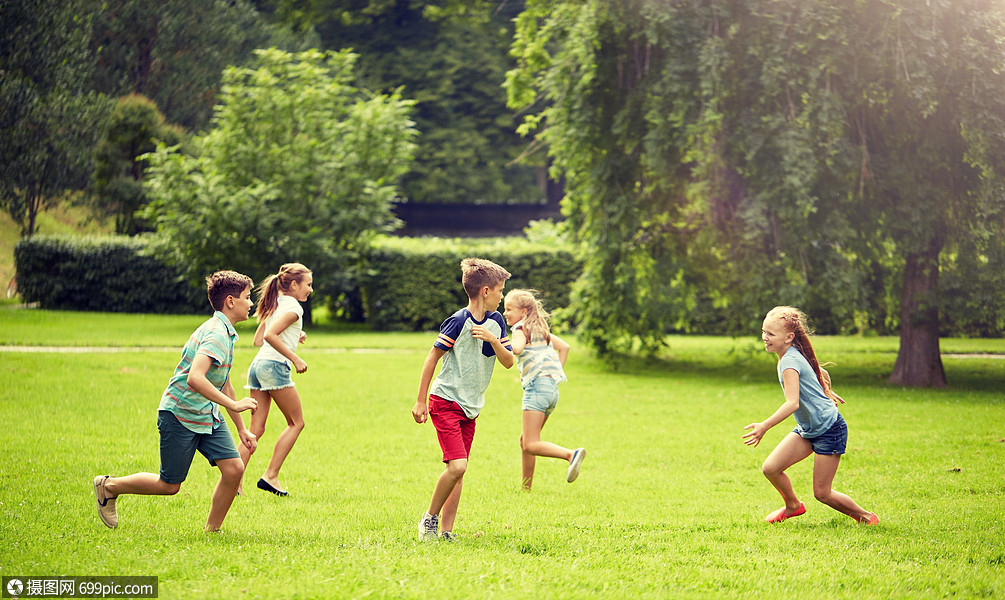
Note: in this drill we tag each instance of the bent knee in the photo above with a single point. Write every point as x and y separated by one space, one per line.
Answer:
456 468
170 489
822 495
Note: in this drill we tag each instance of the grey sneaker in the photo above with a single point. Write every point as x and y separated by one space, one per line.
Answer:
106 505
447 536
577 461
428 526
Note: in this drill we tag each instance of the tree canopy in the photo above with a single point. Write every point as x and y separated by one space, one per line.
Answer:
732 155
300 166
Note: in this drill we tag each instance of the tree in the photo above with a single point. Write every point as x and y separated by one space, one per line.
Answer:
174 52
450 56
299 166
759 153
134 128
46 109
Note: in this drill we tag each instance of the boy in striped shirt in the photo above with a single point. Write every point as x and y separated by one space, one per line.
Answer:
189 413
470 342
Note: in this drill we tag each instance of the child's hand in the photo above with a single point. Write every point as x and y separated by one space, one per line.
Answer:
300 365
303 337
420 411
482 333
244 404
249 440
754 437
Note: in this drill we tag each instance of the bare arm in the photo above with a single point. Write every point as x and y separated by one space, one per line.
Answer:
561 347
247 438
198 382
272 334
519 341
790 381
259 340
420 411
505 356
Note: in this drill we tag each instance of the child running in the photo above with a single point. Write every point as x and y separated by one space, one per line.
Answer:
470 342
280 329
188 417
540 356
820 428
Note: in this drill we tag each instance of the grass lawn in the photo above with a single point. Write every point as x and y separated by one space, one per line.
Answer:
669 503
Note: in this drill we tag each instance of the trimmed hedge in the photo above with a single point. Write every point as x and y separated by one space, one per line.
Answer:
413 284
107 273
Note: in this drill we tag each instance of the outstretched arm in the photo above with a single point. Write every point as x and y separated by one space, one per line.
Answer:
790 381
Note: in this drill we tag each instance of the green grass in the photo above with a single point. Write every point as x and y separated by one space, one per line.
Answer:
669 503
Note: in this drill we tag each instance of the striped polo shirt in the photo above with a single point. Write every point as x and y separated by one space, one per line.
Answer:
214 338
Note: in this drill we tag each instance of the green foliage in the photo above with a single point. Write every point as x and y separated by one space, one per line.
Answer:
109 274
413 284
450 56
174 52
721 158
133 129
300 166
47 113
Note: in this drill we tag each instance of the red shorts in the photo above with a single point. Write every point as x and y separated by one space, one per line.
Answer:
454 429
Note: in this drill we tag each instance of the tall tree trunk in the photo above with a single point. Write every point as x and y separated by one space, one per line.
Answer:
919 361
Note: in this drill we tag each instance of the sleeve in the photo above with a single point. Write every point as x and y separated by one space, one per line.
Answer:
449 331
214 344
503 337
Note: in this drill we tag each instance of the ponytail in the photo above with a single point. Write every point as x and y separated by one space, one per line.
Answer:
268 291
795 322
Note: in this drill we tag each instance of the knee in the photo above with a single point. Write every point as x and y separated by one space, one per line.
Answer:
769 470
170 489
822 495
522 445
456 468
299 425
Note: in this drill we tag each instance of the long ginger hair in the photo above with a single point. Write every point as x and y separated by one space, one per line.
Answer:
794 320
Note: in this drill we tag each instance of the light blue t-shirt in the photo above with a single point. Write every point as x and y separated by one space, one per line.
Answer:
468 362
816 412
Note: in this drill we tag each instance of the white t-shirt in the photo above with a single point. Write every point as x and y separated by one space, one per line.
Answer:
290 336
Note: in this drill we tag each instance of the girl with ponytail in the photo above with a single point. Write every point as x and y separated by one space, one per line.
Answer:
540 357
280 329
820 428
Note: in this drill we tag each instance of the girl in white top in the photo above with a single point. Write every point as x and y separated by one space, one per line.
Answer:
540 357
280 329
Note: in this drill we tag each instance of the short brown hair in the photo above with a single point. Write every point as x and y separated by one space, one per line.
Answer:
221 284
477 273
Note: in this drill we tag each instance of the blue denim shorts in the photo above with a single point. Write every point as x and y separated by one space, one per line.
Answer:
541 395
832 441
268 375
179 443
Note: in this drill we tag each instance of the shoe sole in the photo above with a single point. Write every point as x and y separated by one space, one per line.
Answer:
577 462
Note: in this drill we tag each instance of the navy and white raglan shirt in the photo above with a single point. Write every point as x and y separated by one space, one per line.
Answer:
468 362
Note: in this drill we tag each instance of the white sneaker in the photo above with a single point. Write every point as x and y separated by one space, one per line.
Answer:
428 526
577 461
106 505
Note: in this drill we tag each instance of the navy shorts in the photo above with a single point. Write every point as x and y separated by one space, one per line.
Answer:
179 443
832 441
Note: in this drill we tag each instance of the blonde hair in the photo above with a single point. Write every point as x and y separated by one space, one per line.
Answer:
477 273
268 291
794 321
537 317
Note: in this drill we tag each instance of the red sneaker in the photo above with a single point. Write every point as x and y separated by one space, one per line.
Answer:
779 515
872 519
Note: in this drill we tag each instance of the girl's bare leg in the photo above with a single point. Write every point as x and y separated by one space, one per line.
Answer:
531 444
825 466
257 426
288 401
789 451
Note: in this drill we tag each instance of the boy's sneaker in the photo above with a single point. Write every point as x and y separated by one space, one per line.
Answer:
106 505
448 536
574 464
428 526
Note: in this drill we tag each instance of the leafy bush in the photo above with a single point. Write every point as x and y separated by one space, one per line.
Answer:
413 284
109 273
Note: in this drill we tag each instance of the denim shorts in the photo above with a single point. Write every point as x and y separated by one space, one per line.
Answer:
179 443
541 395
268 375
832 441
